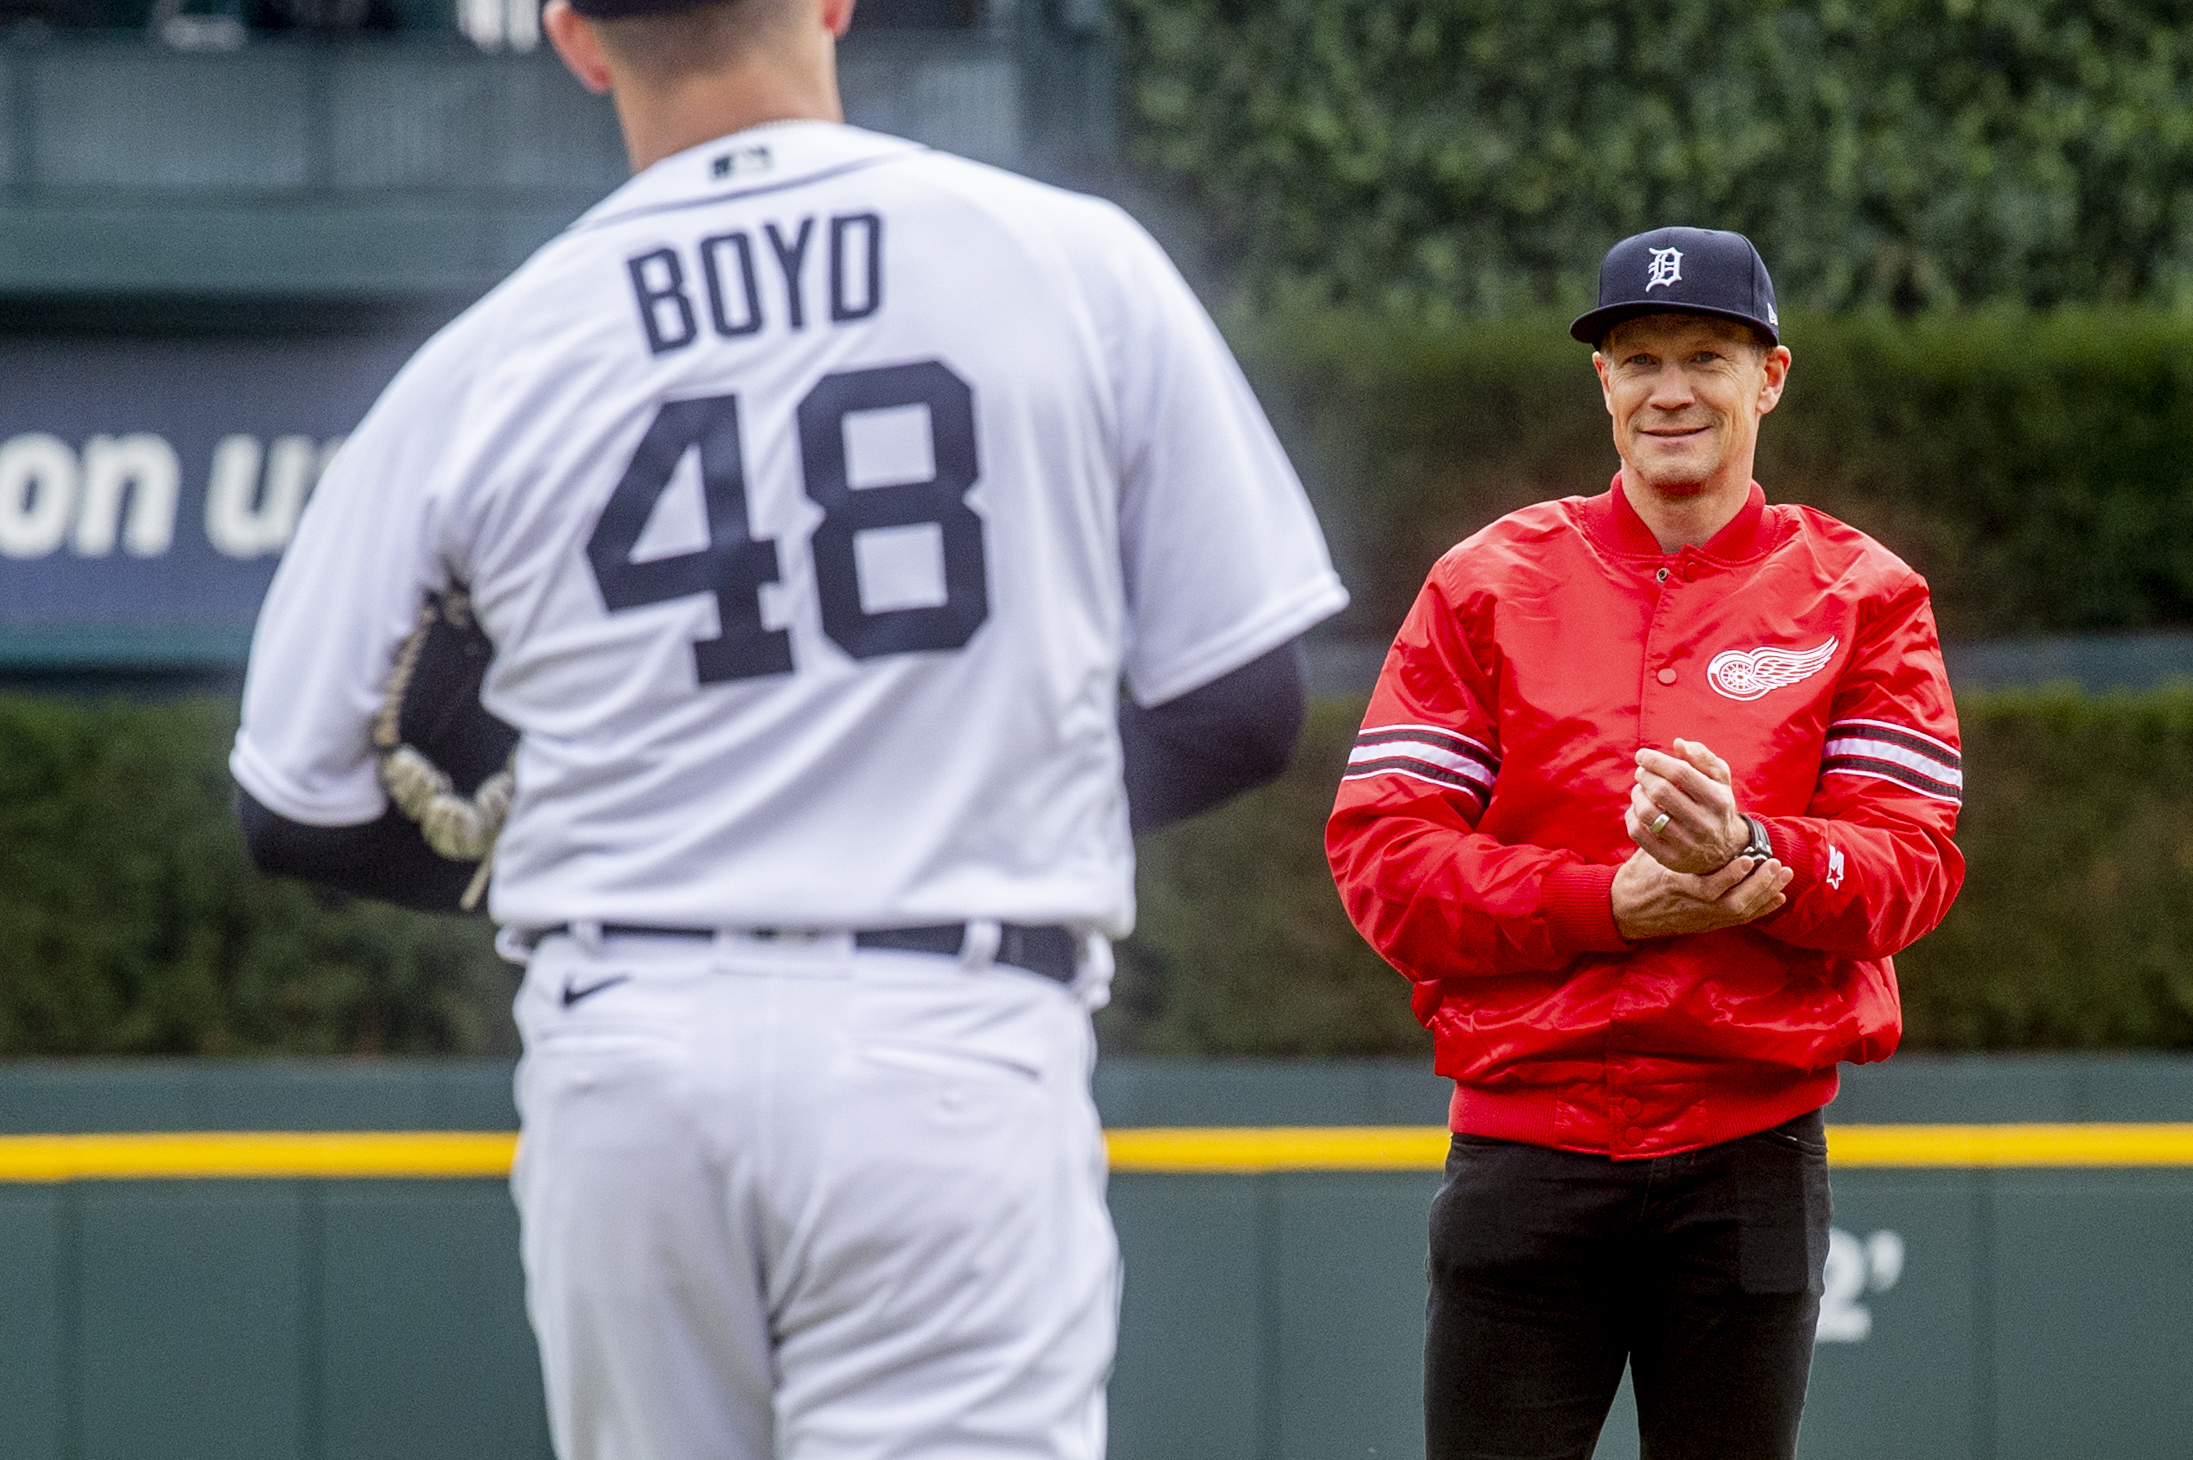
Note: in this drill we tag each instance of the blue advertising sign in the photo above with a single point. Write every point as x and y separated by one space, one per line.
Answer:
147 487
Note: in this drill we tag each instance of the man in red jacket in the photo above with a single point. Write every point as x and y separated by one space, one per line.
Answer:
1653 785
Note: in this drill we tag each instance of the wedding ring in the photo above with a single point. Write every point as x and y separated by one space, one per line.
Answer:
1659 824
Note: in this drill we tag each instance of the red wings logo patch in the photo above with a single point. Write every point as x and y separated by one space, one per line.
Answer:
1742 675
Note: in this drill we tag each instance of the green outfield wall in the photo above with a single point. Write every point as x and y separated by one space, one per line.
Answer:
2011 1278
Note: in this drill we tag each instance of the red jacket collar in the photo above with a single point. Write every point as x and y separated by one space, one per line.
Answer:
1612 520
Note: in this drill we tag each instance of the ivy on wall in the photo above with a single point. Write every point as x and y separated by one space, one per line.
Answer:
1482 154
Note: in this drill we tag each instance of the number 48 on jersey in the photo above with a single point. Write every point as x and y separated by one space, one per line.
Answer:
735 564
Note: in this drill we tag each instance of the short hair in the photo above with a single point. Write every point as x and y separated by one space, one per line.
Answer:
671 45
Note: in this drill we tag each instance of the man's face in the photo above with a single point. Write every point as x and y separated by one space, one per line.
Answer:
1686 392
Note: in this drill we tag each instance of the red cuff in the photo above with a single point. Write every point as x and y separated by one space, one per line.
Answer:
1579 903
1797 847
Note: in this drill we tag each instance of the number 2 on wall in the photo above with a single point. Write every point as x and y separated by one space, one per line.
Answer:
735 564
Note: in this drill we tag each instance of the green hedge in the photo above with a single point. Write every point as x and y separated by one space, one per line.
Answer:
2036 467
2075 929
136 926
1242 947
1482 154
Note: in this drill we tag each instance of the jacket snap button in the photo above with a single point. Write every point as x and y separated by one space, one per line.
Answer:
1634 1136
1666 676
1661 576
1633 1107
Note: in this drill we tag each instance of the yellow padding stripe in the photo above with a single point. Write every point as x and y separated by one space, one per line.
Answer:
1279 1148
2010 1145
257 1154
1177 1150
1418 1148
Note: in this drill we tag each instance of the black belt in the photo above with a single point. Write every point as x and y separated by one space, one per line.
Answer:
1051 951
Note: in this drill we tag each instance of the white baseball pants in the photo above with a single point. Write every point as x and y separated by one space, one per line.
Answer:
808 1201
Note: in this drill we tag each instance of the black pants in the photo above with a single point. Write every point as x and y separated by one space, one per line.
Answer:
1549 1269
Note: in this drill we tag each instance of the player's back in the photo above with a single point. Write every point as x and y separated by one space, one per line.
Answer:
796 486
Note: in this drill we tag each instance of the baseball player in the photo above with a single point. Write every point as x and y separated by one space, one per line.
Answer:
816 492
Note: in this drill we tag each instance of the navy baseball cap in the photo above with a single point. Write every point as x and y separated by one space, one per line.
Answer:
1682 271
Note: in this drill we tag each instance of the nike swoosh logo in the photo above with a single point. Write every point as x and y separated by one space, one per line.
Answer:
572 993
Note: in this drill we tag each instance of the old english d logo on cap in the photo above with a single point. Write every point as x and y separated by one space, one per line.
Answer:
1682 271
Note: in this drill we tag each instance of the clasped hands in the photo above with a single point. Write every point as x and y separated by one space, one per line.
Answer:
1686 876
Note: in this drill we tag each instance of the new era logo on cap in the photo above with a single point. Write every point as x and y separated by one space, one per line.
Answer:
1682 271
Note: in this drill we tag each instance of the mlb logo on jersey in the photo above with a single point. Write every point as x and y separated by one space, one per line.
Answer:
744 160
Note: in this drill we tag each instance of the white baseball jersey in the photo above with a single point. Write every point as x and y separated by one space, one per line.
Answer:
816 490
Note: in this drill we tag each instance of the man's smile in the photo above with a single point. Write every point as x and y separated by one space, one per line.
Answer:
1675 433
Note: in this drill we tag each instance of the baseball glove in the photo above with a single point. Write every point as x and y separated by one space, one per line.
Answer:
445 761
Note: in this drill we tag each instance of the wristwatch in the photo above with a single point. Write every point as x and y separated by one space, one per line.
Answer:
1761 846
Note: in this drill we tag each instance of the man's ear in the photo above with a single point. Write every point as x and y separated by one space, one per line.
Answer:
1776 365
1606 391
578 44
837 16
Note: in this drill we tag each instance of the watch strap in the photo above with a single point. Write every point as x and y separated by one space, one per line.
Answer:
1761 846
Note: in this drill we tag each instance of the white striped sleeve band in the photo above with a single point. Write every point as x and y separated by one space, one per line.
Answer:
1891 753
1426 753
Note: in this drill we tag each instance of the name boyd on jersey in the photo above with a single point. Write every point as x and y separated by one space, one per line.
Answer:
727 270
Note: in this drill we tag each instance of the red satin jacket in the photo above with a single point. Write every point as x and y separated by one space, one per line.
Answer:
1479 826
